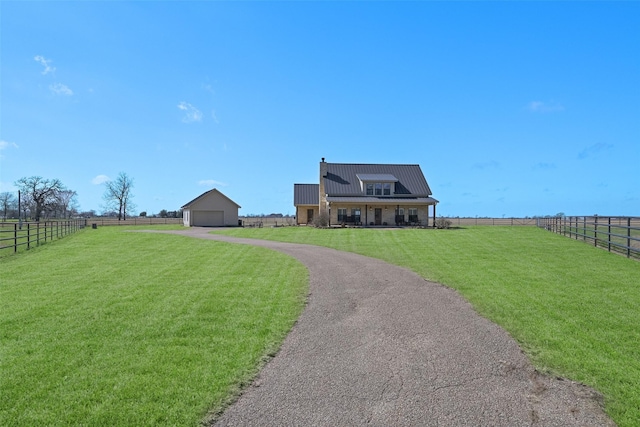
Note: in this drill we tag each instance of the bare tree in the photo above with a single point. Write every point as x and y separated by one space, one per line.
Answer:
42 192
118 195
67 202
8 203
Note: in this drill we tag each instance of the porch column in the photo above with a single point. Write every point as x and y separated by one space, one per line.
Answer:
434 215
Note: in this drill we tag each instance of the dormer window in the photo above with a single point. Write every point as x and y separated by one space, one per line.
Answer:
377 184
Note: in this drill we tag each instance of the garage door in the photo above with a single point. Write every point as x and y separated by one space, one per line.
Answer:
208 218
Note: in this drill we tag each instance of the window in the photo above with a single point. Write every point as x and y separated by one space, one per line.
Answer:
342 214
369 189
413 214
386 188
355 213
400 216
378 189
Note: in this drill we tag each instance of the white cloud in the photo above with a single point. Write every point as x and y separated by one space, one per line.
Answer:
60 89
207 87
544 107
45 63
211 183
6 144
192 114
100 179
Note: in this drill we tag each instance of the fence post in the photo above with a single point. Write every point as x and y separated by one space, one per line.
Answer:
609 234
595 231
15 238
28 235
629 237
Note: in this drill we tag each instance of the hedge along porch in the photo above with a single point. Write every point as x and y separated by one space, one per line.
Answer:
367 194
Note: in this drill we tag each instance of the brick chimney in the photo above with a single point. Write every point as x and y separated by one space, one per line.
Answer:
323 194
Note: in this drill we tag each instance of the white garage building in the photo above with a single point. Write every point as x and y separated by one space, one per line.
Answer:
210 209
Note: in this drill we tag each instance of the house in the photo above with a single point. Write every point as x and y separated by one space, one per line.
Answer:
366 194
210 209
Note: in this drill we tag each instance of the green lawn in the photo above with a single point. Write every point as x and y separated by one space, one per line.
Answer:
107 327
574 309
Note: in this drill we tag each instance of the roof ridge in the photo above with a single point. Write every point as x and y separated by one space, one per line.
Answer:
376 164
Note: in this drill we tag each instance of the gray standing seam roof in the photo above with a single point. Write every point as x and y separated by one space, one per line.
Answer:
306 194
342 178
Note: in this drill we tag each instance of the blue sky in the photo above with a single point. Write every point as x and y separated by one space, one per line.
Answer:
510 108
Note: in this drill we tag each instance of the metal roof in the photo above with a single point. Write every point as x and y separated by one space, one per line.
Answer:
342 178
380 177
212 191
306 194
384 200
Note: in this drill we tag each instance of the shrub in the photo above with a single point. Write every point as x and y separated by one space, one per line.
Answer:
321 221
442 223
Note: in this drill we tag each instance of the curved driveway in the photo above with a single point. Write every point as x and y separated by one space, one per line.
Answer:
379 345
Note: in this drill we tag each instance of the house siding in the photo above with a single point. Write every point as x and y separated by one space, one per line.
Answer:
217 208
302 217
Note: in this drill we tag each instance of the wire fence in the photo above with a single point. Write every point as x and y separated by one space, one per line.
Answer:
616 234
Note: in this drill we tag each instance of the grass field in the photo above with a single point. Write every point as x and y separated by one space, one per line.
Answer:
109 328
574 309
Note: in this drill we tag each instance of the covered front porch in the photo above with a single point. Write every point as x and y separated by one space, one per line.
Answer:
381 212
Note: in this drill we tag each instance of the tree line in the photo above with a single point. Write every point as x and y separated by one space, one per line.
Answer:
40 198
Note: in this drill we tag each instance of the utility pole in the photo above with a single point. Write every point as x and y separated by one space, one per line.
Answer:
19 212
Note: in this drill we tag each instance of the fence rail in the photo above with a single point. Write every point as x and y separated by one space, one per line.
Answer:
457 222
16 236
616 234
133 221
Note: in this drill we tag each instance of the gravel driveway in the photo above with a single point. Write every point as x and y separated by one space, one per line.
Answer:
379 345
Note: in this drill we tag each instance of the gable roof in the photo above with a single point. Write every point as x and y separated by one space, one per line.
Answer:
343 179
205 194
306 194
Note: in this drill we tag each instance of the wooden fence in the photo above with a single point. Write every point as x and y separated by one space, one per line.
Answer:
133 221
16 236
616 234
461 222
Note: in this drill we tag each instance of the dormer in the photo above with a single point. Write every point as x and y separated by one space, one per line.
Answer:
377 184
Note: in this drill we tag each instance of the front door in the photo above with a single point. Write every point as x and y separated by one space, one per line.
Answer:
309 216
378 214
